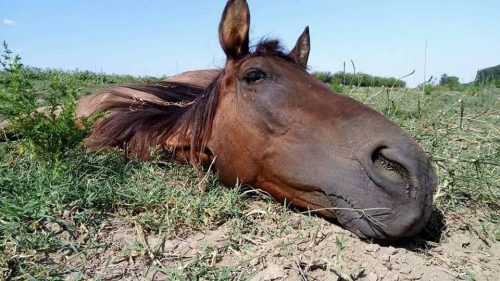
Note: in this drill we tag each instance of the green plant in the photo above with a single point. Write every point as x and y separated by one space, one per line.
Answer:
202 268
48 132
428 90
17 96
337 87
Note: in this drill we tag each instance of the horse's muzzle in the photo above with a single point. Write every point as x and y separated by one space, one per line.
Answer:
398 199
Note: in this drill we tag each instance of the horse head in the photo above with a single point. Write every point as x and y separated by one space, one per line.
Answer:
279 129
264 121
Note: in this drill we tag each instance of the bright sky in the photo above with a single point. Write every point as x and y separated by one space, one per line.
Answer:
385 38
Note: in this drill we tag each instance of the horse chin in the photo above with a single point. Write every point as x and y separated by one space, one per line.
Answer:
384 224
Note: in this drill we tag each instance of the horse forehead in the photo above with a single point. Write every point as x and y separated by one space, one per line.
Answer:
268 62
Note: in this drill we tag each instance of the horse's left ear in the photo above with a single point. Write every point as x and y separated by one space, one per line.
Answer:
301 50
233 29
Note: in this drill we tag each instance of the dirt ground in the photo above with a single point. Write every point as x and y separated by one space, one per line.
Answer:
276 244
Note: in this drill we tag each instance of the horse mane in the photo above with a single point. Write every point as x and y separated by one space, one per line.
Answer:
272 47
139 126
185 116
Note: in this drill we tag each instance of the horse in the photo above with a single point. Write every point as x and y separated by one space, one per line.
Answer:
264 121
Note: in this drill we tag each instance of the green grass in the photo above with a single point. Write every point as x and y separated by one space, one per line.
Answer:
87 189
52 206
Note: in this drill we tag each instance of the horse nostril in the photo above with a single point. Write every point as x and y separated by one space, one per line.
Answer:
391 174
392 168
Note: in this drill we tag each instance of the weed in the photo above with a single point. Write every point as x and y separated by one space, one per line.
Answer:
49 133
202 267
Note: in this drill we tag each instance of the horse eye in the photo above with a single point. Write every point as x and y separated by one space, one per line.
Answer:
254 76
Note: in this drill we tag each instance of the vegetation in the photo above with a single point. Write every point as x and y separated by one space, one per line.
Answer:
57 203
340 80
489 75
48 133
82 76
450 81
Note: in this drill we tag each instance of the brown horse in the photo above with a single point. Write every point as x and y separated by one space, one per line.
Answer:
265 122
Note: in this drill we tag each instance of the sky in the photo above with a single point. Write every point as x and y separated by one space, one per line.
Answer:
384 38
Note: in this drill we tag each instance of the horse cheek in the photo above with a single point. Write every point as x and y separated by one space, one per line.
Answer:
231 144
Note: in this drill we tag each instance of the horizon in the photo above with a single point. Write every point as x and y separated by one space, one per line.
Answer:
150 39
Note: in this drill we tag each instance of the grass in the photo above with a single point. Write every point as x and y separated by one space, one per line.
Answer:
53 211
40 201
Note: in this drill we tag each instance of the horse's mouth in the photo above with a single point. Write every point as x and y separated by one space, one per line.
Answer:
380 223
364 222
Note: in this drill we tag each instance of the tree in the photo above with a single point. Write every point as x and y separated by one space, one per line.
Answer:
488 74
450 81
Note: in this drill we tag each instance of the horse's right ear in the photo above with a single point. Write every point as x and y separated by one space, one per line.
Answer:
233 29
301 50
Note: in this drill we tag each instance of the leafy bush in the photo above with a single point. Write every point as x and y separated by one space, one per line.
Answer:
49 132
17 96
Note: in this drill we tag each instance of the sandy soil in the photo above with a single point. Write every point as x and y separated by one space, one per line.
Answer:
284 245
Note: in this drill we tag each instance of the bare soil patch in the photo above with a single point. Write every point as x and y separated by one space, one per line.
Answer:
273 243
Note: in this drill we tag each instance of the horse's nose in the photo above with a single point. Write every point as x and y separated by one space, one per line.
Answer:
395 169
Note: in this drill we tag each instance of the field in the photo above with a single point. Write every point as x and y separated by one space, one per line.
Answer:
65 214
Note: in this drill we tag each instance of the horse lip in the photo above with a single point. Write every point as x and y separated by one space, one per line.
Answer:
402 218
397 222
362 227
